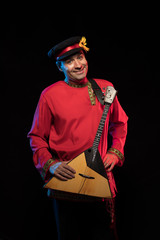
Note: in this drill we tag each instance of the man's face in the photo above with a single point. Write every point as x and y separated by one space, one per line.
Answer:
75 68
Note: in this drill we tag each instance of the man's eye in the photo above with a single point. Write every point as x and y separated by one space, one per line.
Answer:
69 61
80 57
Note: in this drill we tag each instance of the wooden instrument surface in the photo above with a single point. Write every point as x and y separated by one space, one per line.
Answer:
94 184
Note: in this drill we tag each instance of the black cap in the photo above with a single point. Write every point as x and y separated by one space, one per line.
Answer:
68 47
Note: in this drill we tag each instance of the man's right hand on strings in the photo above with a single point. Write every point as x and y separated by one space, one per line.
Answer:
62 171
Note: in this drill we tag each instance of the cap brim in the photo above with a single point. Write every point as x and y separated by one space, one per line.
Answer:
68 54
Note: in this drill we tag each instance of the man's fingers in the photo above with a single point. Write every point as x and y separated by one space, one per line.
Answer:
64 172
59 176
66 166
110 168
67 169
107 162
110 160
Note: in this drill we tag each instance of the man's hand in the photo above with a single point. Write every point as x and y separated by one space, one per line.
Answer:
62 171
110 160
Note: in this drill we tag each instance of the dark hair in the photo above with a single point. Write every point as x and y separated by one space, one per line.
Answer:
58 63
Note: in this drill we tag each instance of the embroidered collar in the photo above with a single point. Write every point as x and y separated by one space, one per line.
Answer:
77 85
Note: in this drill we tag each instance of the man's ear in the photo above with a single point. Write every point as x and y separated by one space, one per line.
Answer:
59 65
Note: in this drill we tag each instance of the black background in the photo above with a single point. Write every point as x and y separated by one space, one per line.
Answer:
124 49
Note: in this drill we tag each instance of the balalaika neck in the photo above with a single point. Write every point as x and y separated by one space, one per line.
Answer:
100 130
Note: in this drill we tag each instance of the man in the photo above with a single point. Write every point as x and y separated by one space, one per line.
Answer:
64 125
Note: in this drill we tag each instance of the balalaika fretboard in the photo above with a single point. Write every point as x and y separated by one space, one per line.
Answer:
109 97
100 130
92 154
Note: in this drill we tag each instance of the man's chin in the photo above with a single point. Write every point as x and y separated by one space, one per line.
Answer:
79 77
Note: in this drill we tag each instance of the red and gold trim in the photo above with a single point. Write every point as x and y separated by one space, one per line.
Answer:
117 153
47 166
91 94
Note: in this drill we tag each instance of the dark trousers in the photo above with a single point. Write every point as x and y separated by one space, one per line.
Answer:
82 220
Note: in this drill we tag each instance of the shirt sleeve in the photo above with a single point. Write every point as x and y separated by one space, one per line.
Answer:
39 138
118 130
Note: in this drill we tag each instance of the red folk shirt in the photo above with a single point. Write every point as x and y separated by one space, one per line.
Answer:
65 124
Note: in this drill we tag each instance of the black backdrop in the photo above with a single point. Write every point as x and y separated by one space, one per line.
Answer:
125 50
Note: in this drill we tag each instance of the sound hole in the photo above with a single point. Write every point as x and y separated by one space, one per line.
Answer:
86 176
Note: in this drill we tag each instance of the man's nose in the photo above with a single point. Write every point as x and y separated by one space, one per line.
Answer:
77 64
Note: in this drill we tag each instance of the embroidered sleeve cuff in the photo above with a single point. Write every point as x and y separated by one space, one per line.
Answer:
46 167
118 154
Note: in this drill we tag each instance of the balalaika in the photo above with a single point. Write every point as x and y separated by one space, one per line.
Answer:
90 178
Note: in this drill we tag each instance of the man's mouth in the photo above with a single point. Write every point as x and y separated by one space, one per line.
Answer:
80 71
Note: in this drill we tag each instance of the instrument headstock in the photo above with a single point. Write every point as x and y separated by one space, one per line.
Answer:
110 95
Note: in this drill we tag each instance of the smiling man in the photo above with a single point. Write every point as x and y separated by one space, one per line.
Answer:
65 125
75 68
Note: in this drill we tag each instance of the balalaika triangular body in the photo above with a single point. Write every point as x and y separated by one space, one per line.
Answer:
90 178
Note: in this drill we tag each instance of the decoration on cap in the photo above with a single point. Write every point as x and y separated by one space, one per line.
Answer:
83 44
